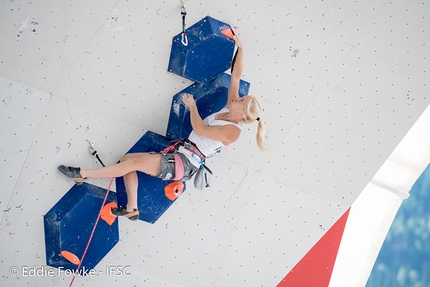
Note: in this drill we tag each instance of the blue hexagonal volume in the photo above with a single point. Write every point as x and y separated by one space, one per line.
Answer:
69 223
152 201
208 53
210 98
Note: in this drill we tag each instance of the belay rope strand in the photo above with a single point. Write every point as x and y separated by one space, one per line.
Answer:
93 153
92 233
184 39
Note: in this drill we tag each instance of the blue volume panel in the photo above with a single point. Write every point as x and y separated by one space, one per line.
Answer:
69 223
208 53
210 98
152 201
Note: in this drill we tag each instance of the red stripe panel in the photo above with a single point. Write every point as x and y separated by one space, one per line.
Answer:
316 267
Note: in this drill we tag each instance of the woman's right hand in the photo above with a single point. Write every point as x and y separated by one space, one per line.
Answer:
238 42
188 101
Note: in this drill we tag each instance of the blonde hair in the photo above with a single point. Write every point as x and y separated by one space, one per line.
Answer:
252 113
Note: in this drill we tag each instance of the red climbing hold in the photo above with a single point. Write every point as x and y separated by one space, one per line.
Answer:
70 257
173 190
228 32
106 213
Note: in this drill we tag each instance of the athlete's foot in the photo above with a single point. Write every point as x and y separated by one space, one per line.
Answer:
72 172
122 211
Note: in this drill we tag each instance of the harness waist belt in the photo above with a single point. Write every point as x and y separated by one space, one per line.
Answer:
190 146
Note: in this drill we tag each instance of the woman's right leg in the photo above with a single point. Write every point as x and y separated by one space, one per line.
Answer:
149 163
131 183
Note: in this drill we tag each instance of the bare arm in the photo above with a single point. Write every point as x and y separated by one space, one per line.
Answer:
233 89
226 134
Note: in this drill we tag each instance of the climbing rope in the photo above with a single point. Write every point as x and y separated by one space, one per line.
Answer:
92 233
95 154
184 39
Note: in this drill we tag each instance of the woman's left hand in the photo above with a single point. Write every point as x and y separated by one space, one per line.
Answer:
189 101
238 42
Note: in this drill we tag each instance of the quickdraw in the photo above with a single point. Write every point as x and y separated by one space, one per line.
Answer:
94 152
184 39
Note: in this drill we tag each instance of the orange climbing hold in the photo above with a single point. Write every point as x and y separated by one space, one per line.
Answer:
174 189
70 257
228 32
106 213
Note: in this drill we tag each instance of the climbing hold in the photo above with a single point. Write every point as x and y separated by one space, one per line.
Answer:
174 189
228 32
107 214
71 257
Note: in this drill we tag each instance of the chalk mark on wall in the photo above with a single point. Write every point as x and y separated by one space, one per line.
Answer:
27 25
6 101
111 18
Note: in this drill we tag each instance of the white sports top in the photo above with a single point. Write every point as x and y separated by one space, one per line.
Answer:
207 146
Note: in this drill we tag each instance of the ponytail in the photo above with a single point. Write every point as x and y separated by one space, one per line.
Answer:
252 113
260 136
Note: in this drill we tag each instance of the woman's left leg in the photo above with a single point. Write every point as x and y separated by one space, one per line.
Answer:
149 163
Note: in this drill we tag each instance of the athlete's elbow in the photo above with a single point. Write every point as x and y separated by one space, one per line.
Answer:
200 131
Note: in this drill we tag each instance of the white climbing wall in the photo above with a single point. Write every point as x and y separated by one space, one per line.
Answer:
341 83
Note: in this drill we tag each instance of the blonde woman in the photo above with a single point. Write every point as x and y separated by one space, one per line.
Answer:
207 138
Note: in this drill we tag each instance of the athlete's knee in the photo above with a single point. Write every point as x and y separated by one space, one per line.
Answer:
125 158
131 161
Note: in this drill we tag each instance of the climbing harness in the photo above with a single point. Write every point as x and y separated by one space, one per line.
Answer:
184 39
188 145
203 175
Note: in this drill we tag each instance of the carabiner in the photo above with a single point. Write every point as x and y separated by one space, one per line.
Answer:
184 3
197 158
184 39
